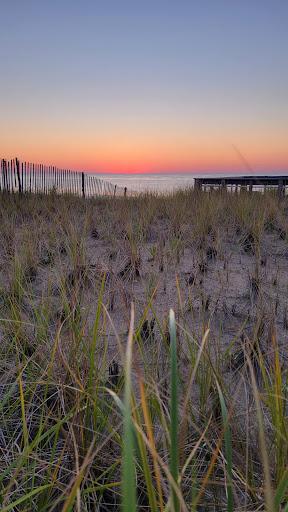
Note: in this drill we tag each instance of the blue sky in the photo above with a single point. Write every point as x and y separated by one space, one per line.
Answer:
107 85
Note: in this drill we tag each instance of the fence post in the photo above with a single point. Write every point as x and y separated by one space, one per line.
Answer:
18 175
4 173
125 191
10 172
22 177
83 184
115 190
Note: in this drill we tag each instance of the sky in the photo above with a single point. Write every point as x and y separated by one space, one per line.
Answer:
145 85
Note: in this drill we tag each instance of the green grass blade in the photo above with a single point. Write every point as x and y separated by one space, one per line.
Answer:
281 490
27 496
268 492
228 448
174 449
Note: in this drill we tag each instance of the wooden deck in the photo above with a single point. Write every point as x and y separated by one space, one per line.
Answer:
248 182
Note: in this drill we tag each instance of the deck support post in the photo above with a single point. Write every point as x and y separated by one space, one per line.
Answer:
281 188
198 184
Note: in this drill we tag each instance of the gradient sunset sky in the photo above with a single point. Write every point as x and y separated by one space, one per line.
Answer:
145 86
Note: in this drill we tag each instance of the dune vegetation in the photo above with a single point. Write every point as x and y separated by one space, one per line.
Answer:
144 352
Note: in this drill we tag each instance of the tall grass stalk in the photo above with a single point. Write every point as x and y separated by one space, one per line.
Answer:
128 468
228 448
174 447
268 492
150 435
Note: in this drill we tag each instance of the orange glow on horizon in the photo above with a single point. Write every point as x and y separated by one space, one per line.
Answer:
201 151
188 160
146 167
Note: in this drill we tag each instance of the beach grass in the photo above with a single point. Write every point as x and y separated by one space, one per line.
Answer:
144 352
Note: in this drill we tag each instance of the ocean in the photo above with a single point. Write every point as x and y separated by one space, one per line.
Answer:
150 182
